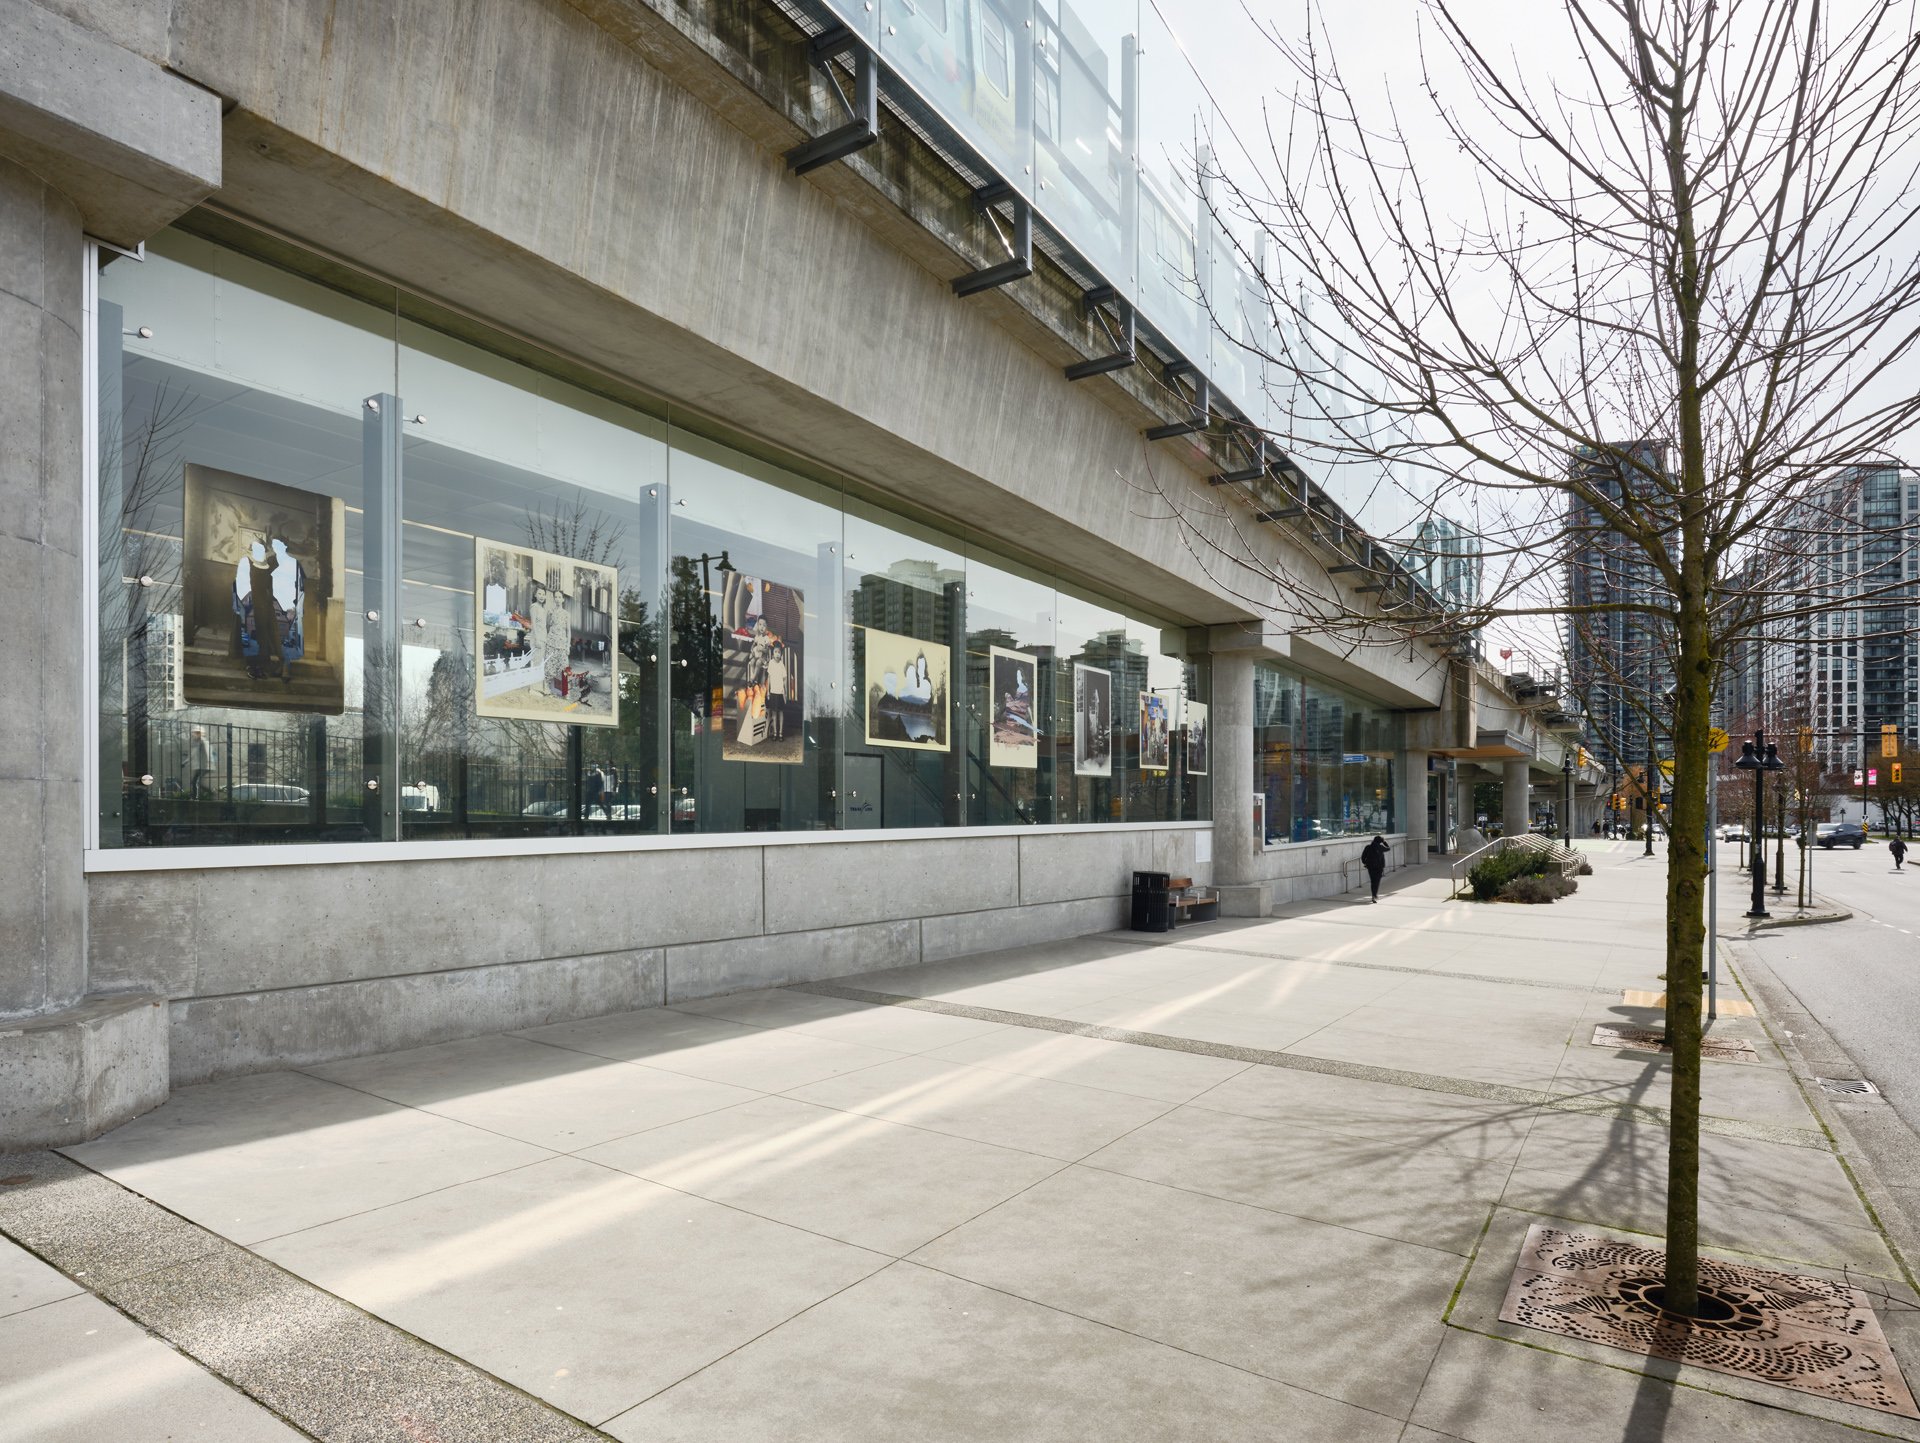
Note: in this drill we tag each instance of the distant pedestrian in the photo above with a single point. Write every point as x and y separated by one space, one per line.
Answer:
1899 850
1374 858
199 762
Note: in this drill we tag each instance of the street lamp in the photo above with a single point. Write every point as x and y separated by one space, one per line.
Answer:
1758 756
723 565
1780 836
1566 796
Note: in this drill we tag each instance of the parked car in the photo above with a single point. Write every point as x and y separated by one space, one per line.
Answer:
1840 834
273 793
1733 831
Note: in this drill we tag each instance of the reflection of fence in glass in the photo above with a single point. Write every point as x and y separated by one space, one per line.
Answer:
296 772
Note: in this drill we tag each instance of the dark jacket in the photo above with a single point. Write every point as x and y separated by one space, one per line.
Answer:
1374 857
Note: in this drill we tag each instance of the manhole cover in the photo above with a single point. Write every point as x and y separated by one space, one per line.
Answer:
1849 1086
1786 1329
1647 1039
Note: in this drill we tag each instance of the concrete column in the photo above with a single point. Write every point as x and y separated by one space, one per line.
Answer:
130 147
1514 808
1410 802
1235 848
43 905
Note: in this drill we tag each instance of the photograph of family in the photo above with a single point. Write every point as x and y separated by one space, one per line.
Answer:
545 637
762 664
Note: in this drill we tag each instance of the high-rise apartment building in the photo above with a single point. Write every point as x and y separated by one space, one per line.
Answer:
1617 660
1851 664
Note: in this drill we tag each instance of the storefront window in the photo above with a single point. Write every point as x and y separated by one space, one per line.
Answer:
906 608
758 696
1323 759
370 573
527 613
233 495
1011 698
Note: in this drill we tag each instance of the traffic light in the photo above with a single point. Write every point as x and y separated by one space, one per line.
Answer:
1896 774
1890 739
1806 740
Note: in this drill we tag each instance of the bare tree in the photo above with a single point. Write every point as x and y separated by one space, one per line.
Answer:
1670 324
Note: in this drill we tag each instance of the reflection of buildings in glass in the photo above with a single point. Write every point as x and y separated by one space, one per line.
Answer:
163 662
910 598
1446 559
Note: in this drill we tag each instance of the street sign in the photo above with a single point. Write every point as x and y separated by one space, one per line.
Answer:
1716 739
1873 776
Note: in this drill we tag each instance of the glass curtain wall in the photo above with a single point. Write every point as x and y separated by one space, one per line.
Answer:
237 460
1323 759
365 577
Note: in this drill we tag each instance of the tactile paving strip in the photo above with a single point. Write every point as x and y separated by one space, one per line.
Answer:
1786 1329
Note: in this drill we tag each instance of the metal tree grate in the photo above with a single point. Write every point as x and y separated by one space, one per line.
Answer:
1848 1086
1786 1329
1650 1039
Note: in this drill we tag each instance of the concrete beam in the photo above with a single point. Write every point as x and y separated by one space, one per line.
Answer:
130 145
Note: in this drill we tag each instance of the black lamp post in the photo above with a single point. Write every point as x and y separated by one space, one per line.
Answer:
1780 837
706 601
1566 797
1758 756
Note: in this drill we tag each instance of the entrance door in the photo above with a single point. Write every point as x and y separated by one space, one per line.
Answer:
1436 814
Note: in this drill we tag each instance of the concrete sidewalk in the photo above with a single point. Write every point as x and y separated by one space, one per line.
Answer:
1262 1179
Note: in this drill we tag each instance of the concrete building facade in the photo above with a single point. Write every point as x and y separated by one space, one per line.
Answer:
490 543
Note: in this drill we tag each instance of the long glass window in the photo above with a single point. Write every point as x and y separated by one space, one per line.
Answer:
366 576
1323 759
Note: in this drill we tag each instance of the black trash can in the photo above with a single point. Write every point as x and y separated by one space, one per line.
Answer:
1152 902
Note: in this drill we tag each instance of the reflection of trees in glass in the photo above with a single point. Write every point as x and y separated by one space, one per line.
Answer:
140 472
698 637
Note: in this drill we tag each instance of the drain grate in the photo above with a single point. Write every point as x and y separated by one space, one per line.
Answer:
1648 1039
1849 1086
1786 1329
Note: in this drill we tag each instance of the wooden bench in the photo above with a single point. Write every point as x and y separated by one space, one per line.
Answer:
1191 904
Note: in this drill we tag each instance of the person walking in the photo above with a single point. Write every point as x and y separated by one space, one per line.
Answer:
1374 858
1899 850
199 762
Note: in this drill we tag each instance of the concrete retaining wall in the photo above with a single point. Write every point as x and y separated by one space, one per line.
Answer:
271 966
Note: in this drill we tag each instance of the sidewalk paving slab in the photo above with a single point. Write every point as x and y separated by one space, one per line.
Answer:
866 1210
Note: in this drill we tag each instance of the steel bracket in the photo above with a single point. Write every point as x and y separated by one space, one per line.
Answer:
1119 330
1019 263
862 107
1199 416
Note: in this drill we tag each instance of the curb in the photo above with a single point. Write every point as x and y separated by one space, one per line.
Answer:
1802 919
1869 1137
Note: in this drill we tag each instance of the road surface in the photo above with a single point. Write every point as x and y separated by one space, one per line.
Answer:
1860 978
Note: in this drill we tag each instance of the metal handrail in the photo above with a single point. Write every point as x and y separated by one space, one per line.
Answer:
1567 855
